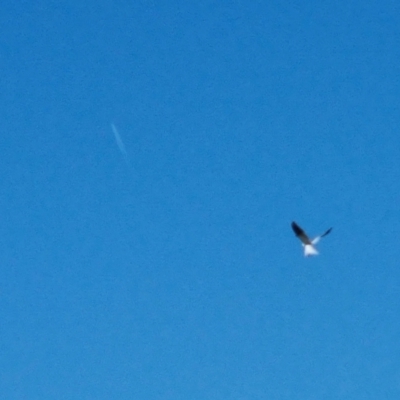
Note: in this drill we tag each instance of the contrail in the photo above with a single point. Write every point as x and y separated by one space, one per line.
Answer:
119 141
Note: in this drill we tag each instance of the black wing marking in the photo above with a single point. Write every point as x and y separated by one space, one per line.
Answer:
327 232
300 233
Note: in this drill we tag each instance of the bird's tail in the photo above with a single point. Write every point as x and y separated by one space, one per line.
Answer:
310 250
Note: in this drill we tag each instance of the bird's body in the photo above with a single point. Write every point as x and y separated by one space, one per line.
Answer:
308 244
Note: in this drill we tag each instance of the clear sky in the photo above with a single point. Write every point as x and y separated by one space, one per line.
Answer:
153 156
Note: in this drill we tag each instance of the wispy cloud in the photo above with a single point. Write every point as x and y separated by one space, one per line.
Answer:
119 141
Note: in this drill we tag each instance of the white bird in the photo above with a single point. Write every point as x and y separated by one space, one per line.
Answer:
308 244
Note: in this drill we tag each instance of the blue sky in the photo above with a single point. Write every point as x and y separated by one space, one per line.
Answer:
173 273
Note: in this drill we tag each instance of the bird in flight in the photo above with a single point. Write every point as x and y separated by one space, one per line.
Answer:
308 244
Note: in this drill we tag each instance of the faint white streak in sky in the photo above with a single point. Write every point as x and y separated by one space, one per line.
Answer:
119 141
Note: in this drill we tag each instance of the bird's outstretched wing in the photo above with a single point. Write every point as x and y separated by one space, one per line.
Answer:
301 234
318 238
326 233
